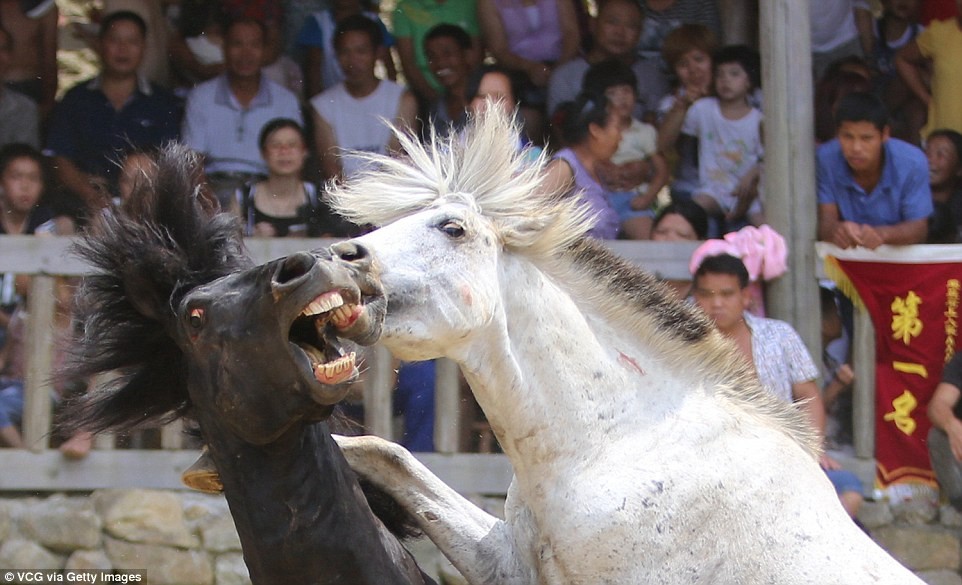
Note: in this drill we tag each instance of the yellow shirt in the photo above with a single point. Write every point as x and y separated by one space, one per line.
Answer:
942 43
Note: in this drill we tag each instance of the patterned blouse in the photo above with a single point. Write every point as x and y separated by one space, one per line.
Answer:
780 357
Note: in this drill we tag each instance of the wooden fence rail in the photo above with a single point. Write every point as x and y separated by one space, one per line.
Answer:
39 468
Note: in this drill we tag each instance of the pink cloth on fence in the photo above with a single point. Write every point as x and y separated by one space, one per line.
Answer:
763 251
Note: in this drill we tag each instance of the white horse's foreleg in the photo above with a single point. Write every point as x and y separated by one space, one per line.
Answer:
481 546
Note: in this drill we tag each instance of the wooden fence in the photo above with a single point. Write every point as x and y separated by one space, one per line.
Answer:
42 469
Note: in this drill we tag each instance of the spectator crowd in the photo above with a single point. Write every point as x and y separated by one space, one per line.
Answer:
685 109
645 112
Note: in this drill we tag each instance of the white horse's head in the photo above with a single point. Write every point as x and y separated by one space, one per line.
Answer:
481 263
447 213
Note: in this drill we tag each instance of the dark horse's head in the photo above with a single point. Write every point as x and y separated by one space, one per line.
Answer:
178 309
254 355
264 341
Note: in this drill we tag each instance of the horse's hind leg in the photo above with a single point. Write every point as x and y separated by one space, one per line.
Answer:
480 545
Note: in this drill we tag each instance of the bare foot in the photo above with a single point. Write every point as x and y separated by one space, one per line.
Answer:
77 446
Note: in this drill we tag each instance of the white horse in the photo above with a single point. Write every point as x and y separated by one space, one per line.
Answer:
643 451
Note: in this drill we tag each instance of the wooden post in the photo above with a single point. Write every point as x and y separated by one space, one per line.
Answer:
739 20
789 168
40 343
863 399
447 406
172 435
378 385
103 441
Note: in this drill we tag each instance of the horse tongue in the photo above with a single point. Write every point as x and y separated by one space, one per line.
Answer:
316 355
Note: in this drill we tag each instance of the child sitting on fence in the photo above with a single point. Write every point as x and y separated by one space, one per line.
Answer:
22 185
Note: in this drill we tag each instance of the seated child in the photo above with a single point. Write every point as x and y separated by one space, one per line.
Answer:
22 187
637 171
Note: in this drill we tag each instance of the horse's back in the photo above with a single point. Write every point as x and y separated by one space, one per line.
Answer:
705 502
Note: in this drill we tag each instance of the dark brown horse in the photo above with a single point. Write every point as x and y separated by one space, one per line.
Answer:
253 355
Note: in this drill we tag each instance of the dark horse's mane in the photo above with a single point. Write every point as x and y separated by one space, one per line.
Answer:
170 240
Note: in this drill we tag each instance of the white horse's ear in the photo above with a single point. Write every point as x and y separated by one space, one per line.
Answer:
521 232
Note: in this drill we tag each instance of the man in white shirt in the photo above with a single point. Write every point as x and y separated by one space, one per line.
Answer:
224 115
351 115
840 28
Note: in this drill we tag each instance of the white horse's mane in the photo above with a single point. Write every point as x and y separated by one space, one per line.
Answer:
606 283
484 168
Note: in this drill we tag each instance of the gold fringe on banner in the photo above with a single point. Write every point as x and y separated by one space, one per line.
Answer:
834 271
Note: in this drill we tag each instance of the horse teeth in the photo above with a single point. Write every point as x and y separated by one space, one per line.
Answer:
336 371
342 315
331 301
347 315
323 304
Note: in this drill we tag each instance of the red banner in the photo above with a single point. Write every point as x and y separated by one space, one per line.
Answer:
912 295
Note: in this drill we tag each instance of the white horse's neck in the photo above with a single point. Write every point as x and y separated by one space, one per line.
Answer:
555 370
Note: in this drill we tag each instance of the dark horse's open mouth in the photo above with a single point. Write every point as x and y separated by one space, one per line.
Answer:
315 332
330 308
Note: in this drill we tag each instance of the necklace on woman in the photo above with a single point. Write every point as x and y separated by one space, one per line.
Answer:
283 202
10 225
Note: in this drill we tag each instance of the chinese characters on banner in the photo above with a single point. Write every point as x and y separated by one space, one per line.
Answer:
912 295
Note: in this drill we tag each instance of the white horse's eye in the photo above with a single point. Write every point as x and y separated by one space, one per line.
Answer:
452 229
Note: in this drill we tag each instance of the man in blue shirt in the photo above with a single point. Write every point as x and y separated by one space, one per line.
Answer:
225 115
872 189
97 121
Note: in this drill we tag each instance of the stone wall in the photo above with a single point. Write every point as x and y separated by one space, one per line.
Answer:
176 538
922 534
171 537
186 538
